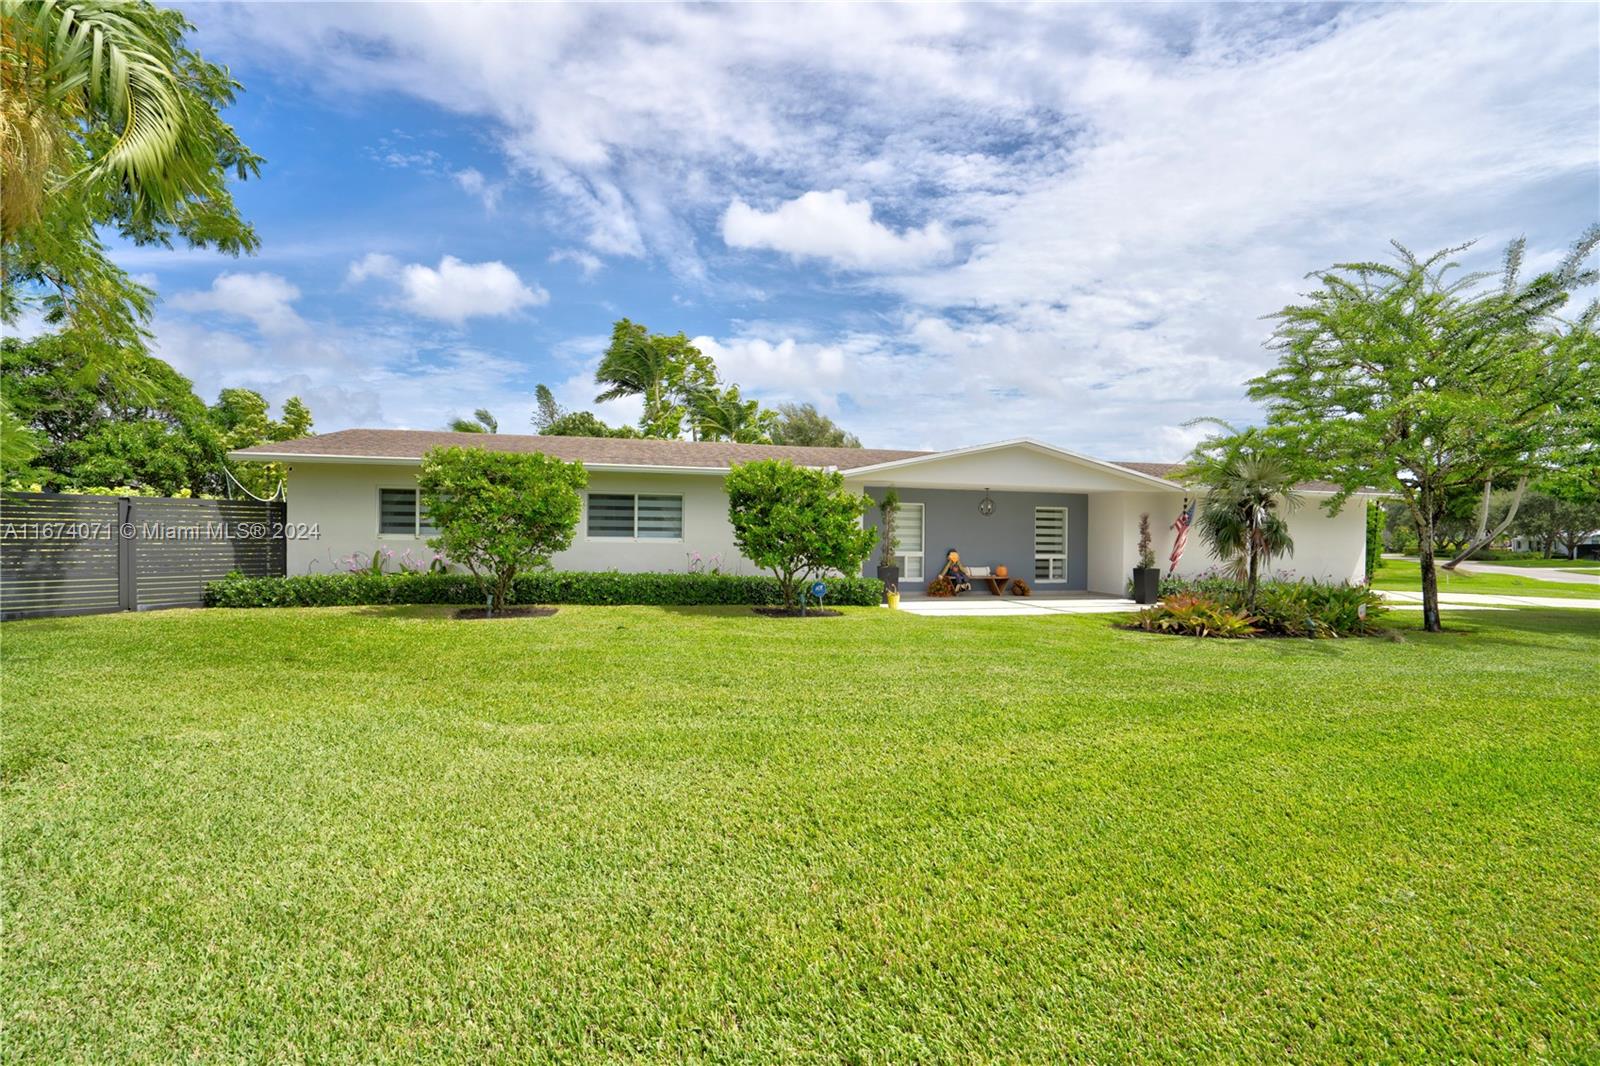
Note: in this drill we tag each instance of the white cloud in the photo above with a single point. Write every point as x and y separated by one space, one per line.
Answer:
475 184
266 300
372 265
453 291
831 226
1067 219
587 262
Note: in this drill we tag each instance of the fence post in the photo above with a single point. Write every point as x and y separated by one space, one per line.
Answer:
127 590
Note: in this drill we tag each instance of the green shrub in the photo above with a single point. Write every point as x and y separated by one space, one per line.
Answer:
549 586
797 522
1195 616
1376 518
499 514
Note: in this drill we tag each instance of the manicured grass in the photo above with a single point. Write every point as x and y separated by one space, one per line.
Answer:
1402 576
376 834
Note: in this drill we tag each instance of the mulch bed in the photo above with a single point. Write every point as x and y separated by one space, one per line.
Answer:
469 613
779 612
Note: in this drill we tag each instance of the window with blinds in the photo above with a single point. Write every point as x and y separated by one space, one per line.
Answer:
1049 543
908 532
629 516
397 513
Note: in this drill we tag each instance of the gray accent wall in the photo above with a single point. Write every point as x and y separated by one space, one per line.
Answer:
1005 537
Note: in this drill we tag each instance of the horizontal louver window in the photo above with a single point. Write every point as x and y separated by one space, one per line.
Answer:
397 512
610 516
908 533
661 517
1049 543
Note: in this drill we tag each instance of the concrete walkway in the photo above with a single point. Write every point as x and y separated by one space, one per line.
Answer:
1538 573
986 606
1479 600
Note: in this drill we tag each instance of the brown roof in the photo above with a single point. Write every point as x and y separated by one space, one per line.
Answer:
602 451
1167 470
615 451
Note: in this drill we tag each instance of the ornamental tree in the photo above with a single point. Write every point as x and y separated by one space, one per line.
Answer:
797 521
1407 378
499 513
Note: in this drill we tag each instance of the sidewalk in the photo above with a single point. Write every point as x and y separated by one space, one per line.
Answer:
1474 600
1569 577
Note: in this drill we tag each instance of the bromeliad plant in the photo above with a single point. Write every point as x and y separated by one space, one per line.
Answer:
1196 616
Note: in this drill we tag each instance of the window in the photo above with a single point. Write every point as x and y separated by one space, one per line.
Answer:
626 516
908 531
398 515
1049 543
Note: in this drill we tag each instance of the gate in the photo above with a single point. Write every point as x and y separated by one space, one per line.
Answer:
62 554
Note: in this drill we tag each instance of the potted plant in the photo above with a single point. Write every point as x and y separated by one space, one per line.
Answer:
888 547
1146 578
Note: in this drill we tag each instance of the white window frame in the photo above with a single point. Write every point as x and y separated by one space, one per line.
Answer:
902 560
418 531
1053 560
601 538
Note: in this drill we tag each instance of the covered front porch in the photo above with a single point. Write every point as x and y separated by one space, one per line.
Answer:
1064 524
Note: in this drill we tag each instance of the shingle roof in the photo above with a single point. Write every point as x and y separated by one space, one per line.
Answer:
602 451
613 451
1167 470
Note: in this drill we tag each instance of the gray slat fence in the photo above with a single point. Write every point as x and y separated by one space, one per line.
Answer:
62 554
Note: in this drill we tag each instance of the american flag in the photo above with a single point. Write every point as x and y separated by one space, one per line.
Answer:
1182 526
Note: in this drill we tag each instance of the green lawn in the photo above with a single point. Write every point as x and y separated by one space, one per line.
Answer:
377 834
1402 576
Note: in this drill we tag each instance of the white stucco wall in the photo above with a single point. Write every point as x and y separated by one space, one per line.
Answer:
341 499
1326 548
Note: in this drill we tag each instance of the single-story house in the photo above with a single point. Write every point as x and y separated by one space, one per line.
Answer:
1066 521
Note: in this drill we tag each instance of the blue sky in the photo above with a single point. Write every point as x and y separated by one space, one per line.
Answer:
942 225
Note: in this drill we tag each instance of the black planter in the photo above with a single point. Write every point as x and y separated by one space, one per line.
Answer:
890 576
1146 584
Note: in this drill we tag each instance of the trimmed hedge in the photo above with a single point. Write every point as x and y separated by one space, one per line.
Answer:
551 586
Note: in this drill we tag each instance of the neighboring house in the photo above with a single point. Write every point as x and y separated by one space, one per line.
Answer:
1066 521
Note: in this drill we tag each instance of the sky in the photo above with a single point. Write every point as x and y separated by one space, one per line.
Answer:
942 225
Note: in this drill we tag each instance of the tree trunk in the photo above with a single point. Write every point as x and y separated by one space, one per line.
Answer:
1484 536
1430 576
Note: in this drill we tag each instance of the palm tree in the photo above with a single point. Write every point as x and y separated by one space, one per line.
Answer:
103 94
480 422
1242 514
720 414
664 370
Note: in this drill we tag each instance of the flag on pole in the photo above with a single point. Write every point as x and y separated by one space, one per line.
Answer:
1185 518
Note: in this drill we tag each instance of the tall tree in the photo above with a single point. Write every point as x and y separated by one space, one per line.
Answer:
244 419
722 414
94 429
480 422
665 371
1407 377
546 412
108 121
801 424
